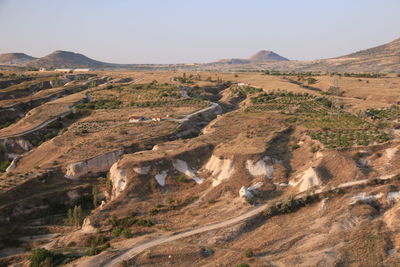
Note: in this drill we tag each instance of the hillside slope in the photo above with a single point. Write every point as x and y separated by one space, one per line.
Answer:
15 58
258 58
264 55
383 58
65 59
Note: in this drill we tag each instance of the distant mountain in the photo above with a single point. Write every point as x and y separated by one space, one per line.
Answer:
383 58
15 58
260 57
264 56
65 59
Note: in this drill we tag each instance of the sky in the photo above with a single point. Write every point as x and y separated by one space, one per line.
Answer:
185 31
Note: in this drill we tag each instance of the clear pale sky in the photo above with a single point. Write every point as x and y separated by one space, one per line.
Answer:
176 31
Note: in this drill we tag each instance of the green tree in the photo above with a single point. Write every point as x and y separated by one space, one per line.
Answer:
94 194
78 216
75 216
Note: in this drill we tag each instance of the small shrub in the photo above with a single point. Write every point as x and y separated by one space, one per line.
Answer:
39 256
117 231
242 265
144 222
4 165
249 200
126 233
207 252
191 199
93 250
181 179
296 146
311 80
292 120
72 244
249 253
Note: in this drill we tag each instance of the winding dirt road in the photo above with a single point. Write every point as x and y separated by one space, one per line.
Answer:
164 239
138 248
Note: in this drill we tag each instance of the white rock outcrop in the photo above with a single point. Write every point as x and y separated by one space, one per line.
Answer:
391 152
142 170
183 167
393 197
260 167
221 169
118 180
160 177
13 164
101 163
307 180
24 144
87 228
363 197
249 192
243 192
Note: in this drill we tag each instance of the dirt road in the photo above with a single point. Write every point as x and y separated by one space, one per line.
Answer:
164 239
135 250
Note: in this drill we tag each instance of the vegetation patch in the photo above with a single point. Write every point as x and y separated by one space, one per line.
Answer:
101 104
328 124
4 165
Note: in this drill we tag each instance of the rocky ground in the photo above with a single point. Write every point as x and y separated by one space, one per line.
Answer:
222 169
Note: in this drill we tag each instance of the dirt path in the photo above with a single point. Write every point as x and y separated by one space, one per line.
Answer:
164 239
135 250
5 133
188 116
38 127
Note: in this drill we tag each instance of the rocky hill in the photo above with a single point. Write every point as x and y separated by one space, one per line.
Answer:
264 55
65 59
15 58
260 57
389 49
384 58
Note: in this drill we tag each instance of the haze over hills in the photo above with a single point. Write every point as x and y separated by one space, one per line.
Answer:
15 58
383 58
